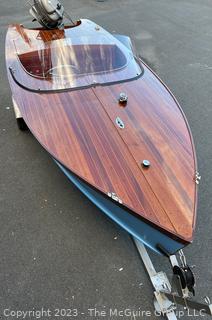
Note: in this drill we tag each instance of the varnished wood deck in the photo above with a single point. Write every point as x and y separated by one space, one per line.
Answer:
78 128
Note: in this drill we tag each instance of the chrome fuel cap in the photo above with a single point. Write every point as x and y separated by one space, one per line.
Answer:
123 98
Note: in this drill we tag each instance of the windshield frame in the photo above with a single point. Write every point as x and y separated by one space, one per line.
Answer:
92 85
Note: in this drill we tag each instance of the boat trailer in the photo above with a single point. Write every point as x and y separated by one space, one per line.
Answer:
179 292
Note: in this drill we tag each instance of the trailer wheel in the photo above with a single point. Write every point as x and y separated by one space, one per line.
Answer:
21 124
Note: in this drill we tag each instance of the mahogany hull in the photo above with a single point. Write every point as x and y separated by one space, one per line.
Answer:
79 129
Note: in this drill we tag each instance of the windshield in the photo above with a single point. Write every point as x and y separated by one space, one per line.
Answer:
75 62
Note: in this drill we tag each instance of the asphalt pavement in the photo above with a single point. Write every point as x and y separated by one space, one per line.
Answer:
57 250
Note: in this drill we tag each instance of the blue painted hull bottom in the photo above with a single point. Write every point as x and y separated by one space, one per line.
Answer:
138 228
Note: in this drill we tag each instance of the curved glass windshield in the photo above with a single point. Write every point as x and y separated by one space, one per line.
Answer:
75 62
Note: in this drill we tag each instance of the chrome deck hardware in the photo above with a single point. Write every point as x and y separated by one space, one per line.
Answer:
120 123
123 98
197 178
114 196
146 163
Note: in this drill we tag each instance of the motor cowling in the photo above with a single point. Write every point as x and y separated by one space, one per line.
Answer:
49 13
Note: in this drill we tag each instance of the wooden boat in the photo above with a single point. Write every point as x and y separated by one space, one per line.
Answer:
111 125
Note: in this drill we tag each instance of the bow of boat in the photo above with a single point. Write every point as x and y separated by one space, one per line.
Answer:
101 144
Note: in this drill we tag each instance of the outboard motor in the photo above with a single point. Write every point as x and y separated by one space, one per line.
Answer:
49 13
